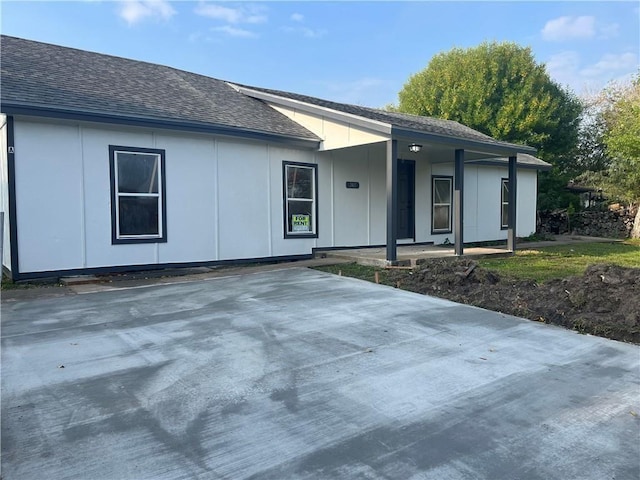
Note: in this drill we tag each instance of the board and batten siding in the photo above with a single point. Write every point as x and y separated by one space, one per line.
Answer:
224 198
358 216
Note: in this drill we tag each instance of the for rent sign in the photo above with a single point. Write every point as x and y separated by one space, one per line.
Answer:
300 223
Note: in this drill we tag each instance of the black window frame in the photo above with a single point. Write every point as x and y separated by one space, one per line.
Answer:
285 200
504 202
162 195
449 178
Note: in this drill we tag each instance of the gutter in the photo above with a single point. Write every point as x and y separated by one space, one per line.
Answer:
15 108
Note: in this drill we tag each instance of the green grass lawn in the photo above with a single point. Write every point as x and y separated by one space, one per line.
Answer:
540 264
559 261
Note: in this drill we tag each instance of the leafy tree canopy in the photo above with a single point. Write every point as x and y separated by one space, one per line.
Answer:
612 136
622 140
500 90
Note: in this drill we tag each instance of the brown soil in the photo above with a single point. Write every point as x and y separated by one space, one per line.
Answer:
604 301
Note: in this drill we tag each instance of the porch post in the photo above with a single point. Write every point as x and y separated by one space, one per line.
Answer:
511 216
392 200
458 205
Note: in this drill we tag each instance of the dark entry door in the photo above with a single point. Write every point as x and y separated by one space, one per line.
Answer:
406 198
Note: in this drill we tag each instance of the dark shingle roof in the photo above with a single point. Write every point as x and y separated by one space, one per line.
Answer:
524 161
42 75
419 123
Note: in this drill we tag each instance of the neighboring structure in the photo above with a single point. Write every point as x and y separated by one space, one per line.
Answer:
110 164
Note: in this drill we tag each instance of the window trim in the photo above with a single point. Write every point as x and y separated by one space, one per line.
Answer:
285 196
449 178
162 197
504 202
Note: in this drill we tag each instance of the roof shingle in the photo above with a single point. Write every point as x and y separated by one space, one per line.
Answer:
43 75
419 123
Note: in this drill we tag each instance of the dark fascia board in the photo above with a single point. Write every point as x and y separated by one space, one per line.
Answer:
490 148
147 122
374 125
525 166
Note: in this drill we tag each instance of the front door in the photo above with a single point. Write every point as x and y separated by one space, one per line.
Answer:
406 199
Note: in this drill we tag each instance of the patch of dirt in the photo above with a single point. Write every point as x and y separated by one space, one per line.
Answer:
604 301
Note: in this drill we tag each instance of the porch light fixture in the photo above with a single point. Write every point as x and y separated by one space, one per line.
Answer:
414 147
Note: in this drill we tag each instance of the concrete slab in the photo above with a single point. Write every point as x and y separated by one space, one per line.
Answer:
415 254
79 280
409 255
298 374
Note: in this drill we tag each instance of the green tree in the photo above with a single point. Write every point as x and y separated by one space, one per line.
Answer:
620 140
500 90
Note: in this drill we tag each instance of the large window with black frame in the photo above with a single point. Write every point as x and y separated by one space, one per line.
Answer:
138 203
441 204
300 202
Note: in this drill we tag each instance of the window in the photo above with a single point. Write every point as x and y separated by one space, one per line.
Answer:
138 212
441 212
504 199
300 203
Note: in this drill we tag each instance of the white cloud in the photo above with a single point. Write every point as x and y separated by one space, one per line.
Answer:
306 31
562 67
611 64
567 69
565 28
297 17
234 31
134 11
233 15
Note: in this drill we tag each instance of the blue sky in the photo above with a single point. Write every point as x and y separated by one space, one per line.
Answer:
355 52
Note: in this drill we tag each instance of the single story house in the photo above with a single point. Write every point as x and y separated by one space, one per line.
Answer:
110 164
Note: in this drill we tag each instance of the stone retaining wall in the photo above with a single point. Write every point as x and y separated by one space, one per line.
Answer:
616 222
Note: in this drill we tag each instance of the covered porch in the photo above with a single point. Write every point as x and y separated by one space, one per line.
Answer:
408 143
374 150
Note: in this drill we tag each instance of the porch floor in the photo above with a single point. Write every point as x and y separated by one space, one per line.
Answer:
408 255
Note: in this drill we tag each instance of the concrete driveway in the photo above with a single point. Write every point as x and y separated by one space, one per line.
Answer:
297 374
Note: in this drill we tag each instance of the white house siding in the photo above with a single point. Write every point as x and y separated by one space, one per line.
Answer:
335 134
224 197
358 217
353 217
526 201
4 192
487 212
49 196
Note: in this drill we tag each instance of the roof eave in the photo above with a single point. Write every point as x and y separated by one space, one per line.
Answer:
522 165
496 148
380 127
16 108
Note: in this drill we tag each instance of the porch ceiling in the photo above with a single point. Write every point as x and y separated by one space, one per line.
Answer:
432 152
435 153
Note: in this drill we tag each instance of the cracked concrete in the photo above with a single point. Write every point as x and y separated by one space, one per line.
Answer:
299 374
